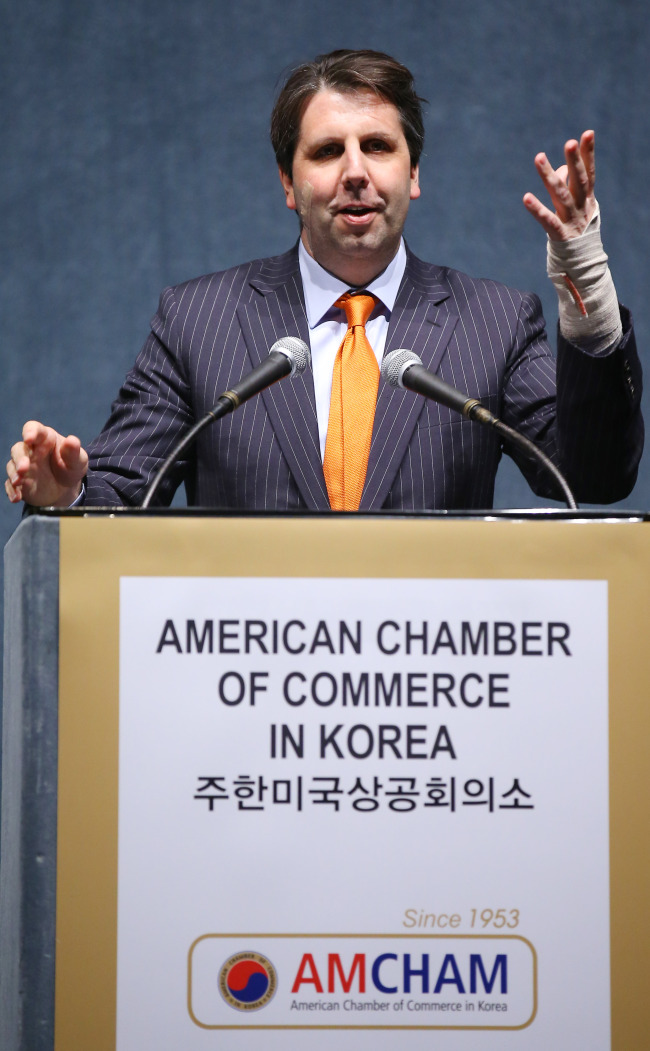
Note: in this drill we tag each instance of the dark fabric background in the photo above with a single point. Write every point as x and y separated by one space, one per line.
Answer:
135 154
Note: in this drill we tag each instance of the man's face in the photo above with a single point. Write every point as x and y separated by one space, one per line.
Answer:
352 183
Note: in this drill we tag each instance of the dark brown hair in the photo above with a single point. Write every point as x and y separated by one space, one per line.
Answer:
346 71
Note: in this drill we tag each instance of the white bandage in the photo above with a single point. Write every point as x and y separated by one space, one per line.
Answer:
588 307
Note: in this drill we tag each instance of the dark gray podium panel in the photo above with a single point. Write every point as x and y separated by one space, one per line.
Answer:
29 787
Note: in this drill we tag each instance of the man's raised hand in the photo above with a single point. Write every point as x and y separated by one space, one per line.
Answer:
571 189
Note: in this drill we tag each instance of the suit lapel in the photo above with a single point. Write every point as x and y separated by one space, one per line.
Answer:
421 321
278 310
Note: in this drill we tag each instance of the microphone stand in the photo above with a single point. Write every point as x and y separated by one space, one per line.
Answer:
476 411
288 356
403 368
225 404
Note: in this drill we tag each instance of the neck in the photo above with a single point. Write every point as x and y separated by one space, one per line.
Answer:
355 271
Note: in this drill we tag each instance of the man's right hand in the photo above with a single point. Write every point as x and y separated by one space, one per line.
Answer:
45 469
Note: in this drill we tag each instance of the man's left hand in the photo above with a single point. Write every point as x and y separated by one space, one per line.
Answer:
571 189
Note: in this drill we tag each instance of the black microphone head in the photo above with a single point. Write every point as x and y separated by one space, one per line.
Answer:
395 365
296 350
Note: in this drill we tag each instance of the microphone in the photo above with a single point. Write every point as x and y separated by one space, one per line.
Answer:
403 368
288 356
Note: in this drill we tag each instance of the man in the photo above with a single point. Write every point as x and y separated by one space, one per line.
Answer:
348 132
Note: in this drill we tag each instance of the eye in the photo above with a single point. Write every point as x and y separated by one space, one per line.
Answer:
327 150
377 146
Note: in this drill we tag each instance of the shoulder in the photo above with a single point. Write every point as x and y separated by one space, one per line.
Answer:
207 304
466 290
230 284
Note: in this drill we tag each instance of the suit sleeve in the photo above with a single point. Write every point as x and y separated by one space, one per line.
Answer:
583 411
151 413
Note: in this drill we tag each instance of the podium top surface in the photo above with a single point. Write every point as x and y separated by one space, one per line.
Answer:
537 514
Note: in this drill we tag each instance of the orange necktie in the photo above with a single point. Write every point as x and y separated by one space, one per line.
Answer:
352 407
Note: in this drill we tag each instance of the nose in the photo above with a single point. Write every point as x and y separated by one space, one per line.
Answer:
354 173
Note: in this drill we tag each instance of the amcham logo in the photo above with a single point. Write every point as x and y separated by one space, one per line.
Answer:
247 981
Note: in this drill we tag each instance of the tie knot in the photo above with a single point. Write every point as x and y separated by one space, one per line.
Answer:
358 308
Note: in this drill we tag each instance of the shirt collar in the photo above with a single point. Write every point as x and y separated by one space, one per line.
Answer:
322 288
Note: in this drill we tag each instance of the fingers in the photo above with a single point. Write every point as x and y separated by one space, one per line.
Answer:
580 180
70 456
12 492
588 154
19 472
45 468
14 496
19 464
570 187
544 216
38 442
37 435
556 186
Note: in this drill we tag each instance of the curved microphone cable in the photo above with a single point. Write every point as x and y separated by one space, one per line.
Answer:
403 368
288 356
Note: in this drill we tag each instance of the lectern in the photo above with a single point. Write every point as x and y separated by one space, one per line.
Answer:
329 781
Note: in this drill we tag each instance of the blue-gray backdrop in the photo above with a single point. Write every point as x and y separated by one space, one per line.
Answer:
136 154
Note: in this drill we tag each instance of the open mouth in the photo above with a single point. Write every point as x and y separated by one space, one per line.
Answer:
358 214
357 210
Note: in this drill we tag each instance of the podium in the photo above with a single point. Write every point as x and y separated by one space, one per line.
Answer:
336 781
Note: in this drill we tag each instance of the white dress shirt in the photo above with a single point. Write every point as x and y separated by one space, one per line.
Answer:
328 324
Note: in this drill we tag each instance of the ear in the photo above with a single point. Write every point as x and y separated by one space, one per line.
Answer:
415 182
287 186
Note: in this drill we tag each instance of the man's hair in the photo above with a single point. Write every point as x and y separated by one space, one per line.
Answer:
346 72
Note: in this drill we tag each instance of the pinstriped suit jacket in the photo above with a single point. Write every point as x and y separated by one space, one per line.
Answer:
480 336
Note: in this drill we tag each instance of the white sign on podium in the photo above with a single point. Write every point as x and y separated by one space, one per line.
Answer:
366 805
